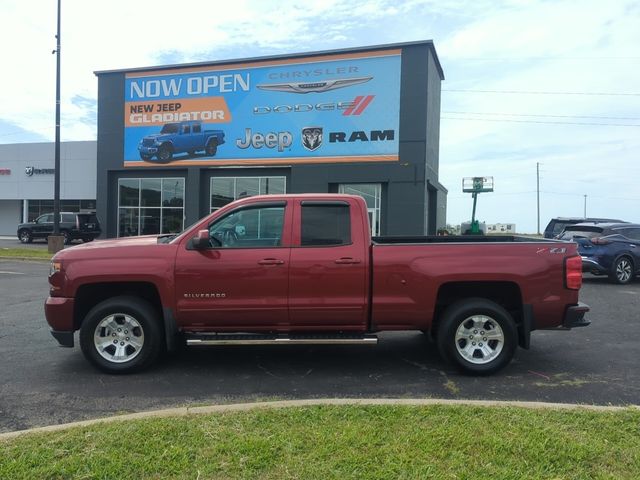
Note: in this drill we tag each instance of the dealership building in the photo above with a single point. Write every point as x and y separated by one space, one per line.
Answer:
26 181
178 142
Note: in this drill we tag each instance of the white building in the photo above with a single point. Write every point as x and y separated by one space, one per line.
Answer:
27 175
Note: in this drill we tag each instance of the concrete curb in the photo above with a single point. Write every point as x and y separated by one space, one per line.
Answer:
240 407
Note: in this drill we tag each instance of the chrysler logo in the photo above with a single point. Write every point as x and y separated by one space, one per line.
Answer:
315 87
312 138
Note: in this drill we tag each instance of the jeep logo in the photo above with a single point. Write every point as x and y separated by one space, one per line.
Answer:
281 140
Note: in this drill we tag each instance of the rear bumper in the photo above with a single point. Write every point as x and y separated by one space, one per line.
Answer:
574 316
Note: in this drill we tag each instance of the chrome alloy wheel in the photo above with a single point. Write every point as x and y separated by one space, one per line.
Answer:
118 338
623 270
479 339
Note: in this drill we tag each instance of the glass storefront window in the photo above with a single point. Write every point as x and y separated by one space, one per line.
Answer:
225 190
150 192
173 192
129 192
372 194
150 206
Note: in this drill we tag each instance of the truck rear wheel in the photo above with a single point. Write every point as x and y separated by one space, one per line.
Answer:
25 236
121 335
477 335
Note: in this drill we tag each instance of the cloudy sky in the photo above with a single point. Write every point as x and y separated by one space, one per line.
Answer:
527 82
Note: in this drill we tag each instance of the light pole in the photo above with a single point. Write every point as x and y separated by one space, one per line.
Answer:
56 242
585 206
538 193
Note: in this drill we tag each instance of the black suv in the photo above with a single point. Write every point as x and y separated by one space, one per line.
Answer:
556 225
74 226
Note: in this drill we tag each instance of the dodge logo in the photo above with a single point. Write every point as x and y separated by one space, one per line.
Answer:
28 171
312 138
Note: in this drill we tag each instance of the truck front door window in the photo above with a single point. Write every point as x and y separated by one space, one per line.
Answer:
250 228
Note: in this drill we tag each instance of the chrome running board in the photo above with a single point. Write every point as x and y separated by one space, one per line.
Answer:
208 339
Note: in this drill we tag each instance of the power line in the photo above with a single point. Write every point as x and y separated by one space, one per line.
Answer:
529 92
595 196
541 122
542 115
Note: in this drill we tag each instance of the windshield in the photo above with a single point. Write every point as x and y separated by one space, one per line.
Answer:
170 128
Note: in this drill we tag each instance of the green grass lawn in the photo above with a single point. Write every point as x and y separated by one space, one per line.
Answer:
24 253
327 442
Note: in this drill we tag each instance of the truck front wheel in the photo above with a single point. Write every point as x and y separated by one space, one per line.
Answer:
212 148
165 153
121 335
477 335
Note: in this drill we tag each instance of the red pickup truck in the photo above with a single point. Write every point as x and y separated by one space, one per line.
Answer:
303 269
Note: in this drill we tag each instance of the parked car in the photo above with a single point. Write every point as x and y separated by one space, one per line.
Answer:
557 225
73 226
611 249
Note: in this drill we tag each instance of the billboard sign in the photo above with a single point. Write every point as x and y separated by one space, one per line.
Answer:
327 109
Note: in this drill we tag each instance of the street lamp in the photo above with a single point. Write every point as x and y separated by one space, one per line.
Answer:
56 241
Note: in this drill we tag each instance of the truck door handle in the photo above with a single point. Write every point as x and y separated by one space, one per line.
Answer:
270 261
346 261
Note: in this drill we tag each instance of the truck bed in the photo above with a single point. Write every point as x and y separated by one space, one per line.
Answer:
417 239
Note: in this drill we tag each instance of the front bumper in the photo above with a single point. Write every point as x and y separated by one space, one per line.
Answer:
591 266
59 314
148 150
574 316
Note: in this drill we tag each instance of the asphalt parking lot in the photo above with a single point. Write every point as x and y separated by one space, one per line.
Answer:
43 384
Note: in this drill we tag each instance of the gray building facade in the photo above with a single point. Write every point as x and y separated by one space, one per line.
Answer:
27 175
146 194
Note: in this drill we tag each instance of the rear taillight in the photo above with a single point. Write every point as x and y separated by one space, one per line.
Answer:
573 273
600 241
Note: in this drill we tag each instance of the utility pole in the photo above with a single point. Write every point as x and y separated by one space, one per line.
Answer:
538 192
56 241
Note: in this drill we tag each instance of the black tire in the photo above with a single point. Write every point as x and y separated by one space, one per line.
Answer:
87 239
139 347
25 236
165 153
489 340
146 156
622 270
212 148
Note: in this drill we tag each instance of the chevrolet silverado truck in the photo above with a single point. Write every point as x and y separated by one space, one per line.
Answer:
180 137
303 269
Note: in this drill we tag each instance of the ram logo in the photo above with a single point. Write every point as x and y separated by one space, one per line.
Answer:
312 138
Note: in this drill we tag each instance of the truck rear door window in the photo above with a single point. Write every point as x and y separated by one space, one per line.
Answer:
325 225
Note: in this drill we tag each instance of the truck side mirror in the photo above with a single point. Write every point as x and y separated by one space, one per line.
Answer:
201 240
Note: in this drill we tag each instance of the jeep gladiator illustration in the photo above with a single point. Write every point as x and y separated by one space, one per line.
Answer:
180 137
